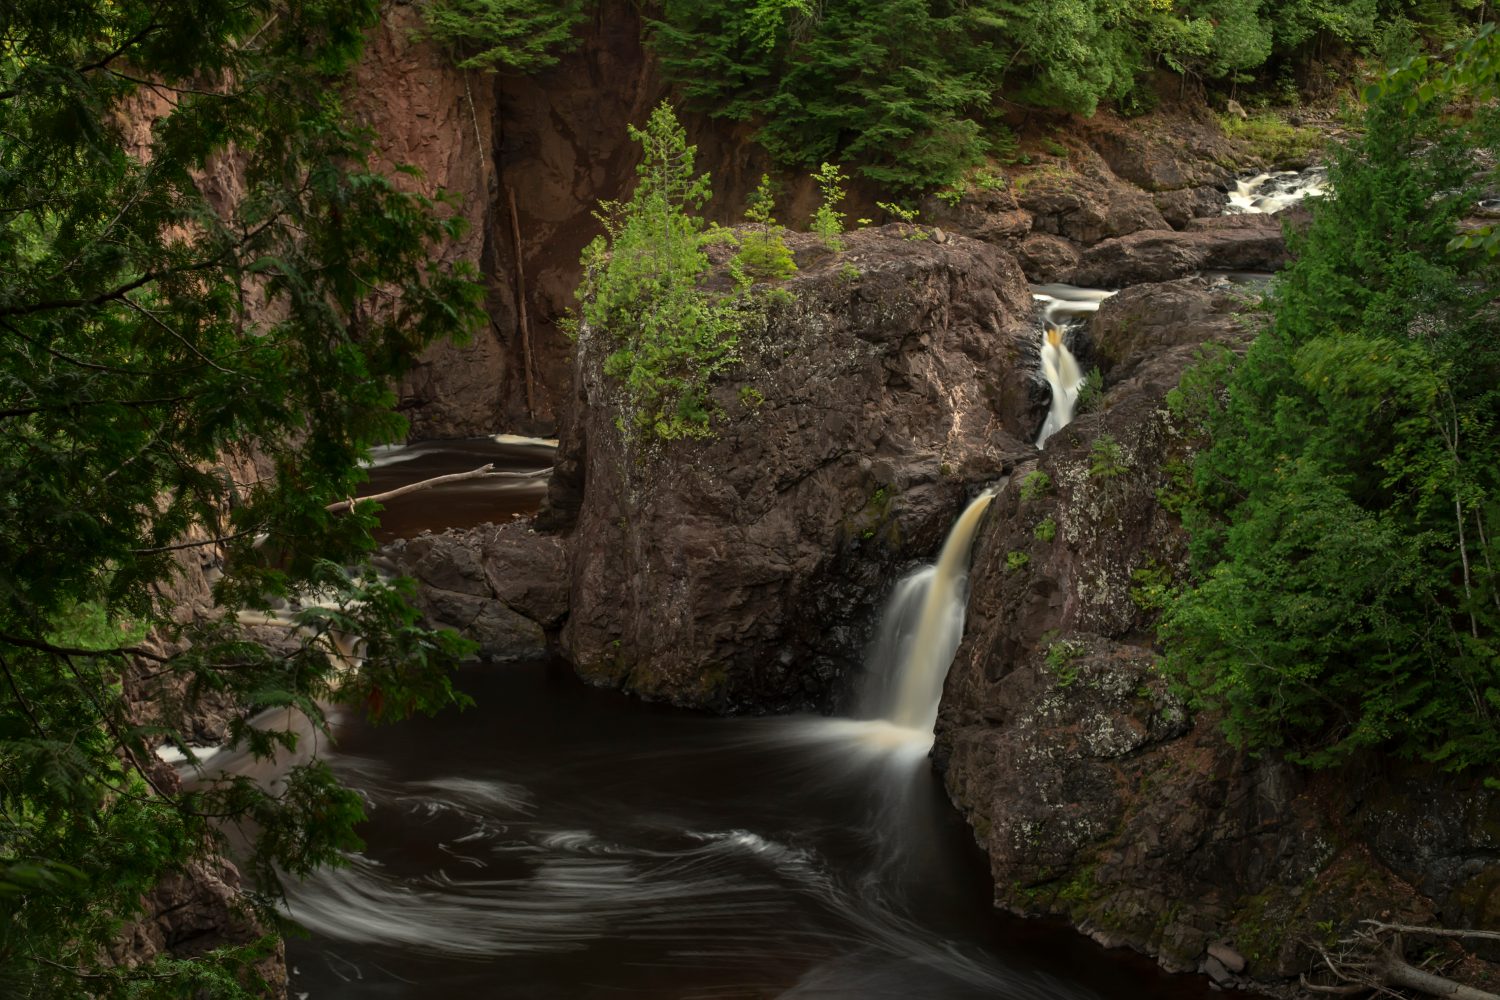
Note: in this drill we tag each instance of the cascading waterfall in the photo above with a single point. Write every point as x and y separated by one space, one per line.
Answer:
1267 193
1064 378
920 630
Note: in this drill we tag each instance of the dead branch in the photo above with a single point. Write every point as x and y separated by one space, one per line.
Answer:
1455 932
525 322
1371 959
426 484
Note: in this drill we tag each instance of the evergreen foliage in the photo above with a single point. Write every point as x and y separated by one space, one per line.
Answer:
641 287
763 254
1343 518
518 36
147 331
909 89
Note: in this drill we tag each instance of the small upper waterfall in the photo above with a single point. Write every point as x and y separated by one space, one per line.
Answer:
1060 369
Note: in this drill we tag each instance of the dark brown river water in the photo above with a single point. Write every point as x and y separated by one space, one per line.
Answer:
557 842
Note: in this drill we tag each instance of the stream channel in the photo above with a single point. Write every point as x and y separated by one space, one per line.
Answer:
559 842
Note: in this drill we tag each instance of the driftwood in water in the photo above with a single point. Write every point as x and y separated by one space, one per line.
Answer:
483 472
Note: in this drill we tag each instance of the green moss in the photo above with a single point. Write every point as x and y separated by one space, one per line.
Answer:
1046 530
1271 139
1016 559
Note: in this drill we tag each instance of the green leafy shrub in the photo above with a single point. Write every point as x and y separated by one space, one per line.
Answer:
1273 140
827 220
1046 530
763 253
641 288
1016 560
1035 486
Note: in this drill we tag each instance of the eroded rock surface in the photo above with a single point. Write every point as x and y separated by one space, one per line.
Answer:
503 586
742 572
1096 795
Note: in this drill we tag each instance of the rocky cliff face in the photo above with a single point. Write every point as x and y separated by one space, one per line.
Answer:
742 572
1094 793
527 160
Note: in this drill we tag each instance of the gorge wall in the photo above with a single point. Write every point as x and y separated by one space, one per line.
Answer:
743 573
526 160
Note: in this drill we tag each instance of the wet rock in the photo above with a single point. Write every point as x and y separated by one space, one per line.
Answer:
1183 205
505 587
743 572
1161 255
1046 259
1084 206
1228 959
1183 147
1139 323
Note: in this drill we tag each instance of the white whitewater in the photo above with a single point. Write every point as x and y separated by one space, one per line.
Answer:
1061 303
1063 377
1267 193
919 632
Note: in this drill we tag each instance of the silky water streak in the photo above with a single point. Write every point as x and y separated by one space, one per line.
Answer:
936 598
1060 370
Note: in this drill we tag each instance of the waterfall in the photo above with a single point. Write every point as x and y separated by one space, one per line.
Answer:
919 632
1060 369
1266 193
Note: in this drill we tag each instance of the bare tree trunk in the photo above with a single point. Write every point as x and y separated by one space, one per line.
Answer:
1398 973
483 472
525 321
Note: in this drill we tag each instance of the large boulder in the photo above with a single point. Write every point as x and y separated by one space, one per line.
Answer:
503 586
1161 255
742 572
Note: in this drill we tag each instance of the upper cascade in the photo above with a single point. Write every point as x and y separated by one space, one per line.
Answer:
1060 369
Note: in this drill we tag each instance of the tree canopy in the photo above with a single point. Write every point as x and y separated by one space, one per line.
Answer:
916 91
205 296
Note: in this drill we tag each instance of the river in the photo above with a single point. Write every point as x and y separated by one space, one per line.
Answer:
558 842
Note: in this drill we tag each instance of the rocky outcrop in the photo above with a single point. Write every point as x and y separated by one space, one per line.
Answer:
742 572
1161 255
196 911
1095 794
503 586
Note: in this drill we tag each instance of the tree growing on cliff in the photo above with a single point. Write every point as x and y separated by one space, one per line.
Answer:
1344 516
642 289
204 299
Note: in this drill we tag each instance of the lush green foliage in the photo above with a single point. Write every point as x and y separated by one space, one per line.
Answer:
827 220
908 89
519 36
641 287
763 255
153 339
1343 518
